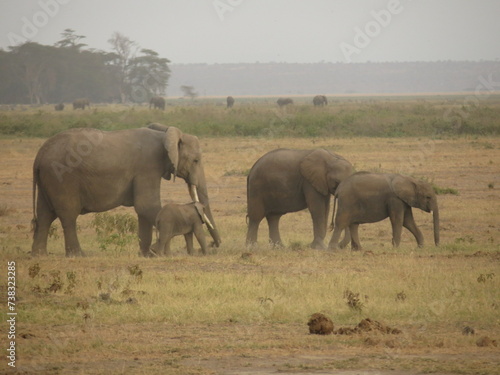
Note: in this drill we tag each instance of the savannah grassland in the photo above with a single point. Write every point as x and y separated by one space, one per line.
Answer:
241 311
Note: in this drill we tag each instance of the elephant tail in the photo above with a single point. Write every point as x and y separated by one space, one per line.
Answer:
34 221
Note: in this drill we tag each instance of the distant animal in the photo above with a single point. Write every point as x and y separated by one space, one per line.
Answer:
320 100
367 197
284 101
285 180
181 219
157 102
81 103
59 107
230 101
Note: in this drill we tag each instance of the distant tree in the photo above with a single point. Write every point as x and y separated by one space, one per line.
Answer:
70 40
124 51
148 76
189 92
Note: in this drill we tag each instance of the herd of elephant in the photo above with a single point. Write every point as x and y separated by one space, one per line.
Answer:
158 102
88 170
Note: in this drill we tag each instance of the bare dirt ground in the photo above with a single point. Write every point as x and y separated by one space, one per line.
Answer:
231 347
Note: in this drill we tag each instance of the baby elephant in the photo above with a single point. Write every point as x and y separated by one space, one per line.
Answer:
176 219
370 197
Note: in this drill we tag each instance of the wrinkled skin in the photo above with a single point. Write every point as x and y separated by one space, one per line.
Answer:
81 103
87 170
370 197
230 101
320 100
284 101
157 102
287 180
180 219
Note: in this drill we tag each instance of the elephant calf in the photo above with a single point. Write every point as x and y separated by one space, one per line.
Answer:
368 197
177 219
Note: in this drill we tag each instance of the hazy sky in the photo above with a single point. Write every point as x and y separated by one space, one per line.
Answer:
301 31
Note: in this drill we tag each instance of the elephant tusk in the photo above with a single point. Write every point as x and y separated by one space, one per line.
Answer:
208 222
194 194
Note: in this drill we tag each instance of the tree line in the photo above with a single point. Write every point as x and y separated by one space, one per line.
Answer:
33 73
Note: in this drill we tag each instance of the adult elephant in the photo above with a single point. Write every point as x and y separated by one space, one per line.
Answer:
287 180
59 107
157 102
230 101
81 103
320 100
284 101
368 197
88 170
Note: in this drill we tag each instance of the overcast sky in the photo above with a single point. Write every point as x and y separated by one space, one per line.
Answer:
294 31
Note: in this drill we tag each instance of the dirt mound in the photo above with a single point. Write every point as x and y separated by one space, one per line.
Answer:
486 341
320 324
367 325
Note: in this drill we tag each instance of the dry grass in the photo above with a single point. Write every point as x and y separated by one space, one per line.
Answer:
238 312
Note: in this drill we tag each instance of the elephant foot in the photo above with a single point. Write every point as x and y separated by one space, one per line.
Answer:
74 253
38 253
318 245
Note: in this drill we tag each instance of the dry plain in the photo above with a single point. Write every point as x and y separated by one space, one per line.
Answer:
237 311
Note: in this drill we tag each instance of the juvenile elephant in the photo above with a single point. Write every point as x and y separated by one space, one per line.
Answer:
368 197
59 107
284 101
157 102
177 219
81 103
287 180
230 101
320 100
88 170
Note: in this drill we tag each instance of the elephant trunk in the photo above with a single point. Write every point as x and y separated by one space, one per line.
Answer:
199 193
435 213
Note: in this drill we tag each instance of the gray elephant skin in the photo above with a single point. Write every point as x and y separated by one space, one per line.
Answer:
157 102
320 100
368 197
88 170
181 219
284 101
81 103
230 101
286 180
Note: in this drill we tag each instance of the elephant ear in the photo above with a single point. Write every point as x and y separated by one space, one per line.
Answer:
406 189
173 137
313 169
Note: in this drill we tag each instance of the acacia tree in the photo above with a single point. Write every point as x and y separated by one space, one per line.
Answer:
148 76
189 92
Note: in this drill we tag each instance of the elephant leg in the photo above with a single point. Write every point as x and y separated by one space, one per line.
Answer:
355 244
334 241
397 226
189 243
346 240
409 223
252 231
318 207
200 236
71 243
45 217
145 235
273 222
166 246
